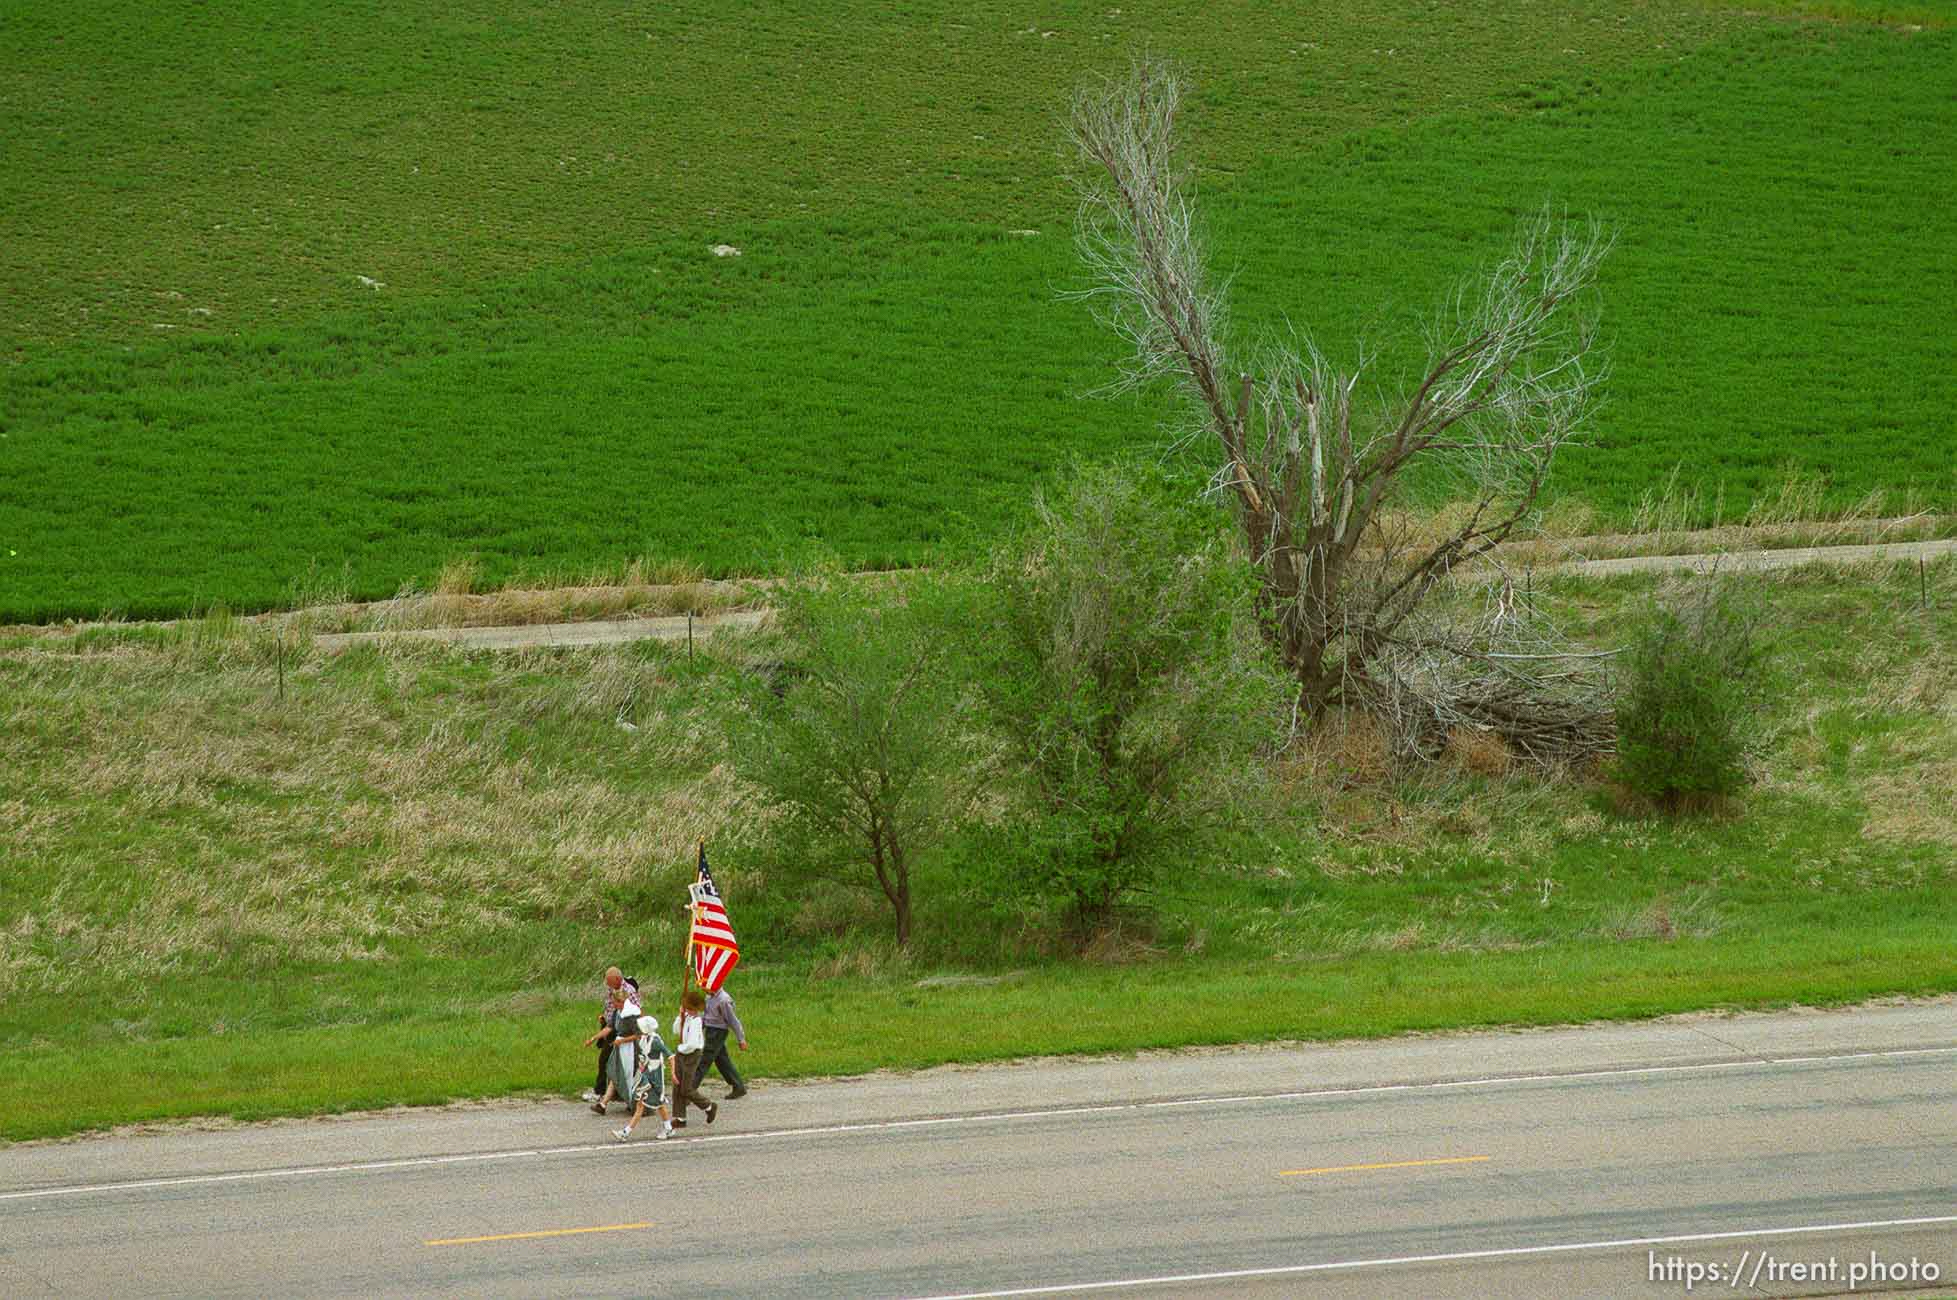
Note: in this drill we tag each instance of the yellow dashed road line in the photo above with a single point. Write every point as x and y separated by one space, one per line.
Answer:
1390 1164
522 1236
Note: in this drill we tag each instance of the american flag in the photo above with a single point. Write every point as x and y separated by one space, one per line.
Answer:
715 950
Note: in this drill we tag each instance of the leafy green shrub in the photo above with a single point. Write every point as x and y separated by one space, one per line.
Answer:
1688 713
1127 683
855 739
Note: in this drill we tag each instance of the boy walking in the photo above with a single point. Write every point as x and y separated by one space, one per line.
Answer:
690 1039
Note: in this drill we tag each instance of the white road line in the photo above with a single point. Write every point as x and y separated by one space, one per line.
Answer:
876 1126
1511 1252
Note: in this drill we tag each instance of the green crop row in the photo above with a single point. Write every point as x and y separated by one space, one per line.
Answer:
1779 300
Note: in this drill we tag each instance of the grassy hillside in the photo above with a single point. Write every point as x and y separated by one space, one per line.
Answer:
302 880
558 375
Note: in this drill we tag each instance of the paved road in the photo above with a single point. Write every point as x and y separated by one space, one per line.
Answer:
1557 1162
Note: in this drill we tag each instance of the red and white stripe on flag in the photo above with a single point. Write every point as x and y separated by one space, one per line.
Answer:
715 950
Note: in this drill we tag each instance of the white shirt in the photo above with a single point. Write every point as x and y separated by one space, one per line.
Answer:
686 1028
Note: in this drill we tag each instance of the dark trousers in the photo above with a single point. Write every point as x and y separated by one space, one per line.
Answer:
715 1053
604 1059
686 1084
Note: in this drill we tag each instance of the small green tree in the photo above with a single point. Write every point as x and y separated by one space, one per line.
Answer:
1688 716
1125 676
856 739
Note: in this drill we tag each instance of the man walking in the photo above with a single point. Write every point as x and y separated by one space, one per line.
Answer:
719 1020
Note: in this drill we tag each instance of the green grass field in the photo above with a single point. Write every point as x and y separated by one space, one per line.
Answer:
321 894
558 376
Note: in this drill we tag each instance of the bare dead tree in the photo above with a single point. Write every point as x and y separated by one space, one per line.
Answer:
1307 471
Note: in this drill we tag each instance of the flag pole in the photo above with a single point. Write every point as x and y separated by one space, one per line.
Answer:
686 973
692 921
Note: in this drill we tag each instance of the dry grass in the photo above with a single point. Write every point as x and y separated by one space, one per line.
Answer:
1926 685
1911 770
642 587
1912 773
1660 918
1403 939
529 606
871 961
1480 751
645 571
454 604
166 809
1740 537
1346 751
1914 805
1477 797
1116 946
1681 520
1584 824
458 577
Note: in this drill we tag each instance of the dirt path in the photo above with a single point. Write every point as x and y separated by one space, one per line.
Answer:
1788 558
617 631
531 636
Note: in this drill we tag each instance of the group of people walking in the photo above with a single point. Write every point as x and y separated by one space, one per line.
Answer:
634 1060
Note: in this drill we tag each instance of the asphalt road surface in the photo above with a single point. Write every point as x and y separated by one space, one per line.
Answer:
1807 1151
